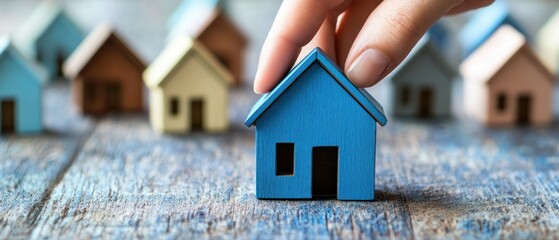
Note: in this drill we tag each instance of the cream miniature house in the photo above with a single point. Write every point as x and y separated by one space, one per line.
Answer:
189 89
505 83
548 43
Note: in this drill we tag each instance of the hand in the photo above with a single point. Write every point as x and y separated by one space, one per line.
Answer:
368 38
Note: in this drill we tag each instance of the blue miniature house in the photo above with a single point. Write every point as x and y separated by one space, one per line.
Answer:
20 92
316 135
50 36
484 23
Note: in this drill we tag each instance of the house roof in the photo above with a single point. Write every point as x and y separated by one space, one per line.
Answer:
369 104
489 59
187 5
548 42
484 23
172 57
438 34
425 45
550 31
8 49
193 17
103 34
37 24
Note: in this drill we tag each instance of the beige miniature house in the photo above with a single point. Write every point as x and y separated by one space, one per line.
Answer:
505 83
189 89
548 43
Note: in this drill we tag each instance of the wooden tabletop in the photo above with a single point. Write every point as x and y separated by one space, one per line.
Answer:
115 177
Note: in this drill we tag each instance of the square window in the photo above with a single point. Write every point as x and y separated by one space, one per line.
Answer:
285 159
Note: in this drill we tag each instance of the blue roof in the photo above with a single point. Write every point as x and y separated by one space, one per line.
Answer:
186 5
424 46
360 95
8 49
438 34
4 43
484 23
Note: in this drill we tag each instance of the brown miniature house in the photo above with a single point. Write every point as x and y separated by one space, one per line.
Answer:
207 23
106 75
505 83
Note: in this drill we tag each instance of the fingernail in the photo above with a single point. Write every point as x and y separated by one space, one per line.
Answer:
257 91
368 67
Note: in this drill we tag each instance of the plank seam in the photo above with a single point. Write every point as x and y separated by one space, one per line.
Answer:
37 207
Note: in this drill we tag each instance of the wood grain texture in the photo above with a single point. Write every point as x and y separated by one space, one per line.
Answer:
31 165
433 180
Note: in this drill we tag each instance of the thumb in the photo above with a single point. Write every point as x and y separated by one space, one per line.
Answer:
388 35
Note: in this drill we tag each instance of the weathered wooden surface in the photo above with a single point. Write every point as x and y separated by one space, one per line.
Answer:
114 177
434 180
31 166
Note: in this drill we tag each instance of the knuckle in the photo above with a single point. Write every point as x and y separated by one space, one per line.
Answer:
405 28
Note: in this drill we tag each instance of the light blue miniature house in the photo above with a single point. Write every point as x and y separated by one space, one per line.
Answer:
484 23
422 85
316 135
50 36
20 92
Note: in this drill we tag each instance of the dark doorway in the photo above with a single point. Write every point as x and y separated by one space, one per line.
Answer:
8 116
524 109
59 63
325 171
425 103
197 114
113 97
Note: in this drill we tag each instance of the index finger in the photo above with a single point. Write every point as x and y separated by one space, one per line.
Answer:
295 25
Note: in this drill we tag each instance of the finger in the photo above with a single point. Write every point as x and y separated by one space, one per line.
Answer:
388 35
295 25
350 23
469 5
324 39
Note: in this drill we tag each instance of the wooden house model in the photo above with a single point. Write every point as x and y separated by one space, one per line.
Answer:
316 135
21 84
422 85
189 89
548 43
484 23
205 21
106 75
505 83
49 36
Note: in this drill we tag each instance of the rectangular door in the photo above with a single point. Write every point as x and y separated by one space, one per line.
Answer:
197 114
325 171
8 116
113 97
425 103
524 109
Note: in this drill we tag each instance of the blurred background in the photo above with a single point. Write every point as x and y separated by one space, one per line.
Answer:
143 23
